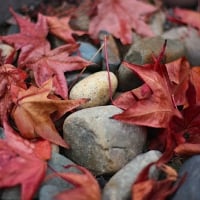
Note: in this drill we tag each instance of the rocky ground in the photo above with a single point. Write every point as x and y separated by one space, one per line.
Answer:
113 151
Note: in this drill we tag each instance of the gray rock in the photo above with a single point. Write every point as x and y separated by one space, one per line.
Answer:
1 133
190 188
74 77
113 56
99 143
157 22
88 51
16 4
94 87
55 184
119 186
190 39
48 192
141 53
181 3
13 193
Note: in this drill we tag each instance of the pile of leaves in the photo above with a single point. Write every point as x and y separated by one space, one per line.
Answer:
34 95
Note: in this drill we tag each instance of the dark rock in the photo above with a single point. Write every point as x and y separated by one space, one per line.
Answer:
12 193
181 3
88 52
190 188
141 53
16 4
113 56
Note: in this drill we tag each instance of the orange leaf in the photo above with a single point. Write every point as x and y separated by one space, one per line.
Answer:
187 149
33 110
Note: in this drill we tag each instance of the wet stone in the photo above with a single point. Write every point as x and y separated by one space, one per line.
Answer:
99 143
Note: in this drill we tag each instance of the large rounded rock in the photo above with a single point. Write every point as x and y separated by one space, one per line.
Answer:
99 143
141 53
119 186
94 87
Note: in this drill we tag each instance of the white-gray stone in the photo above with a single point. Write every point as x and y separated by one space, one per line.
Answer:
8 53
94 87
119 186
99 143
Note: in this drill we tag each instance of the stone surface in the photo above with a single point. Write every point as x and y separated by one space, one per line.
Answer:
13 193
100 143
190 188
119 186
54 185
181 3
7 52
141 52
1 133
16 4
190 39
157 22
88 51
94 87
113 56
73 77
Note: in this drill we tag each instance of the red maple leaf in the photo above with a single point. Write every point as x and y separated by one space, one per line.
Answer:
179 75
46 64
86 186
120 17
60 28
195 80
186 16
157 109
33 110
9 75
145 188
19 164
31 35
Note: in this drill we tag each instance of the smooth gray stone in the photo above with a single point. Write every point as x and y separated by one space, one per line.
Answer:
55 184
102 144
119 186
189 190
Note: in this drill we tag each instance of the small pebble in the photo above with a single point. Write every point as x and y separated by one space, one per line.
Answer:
95 88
